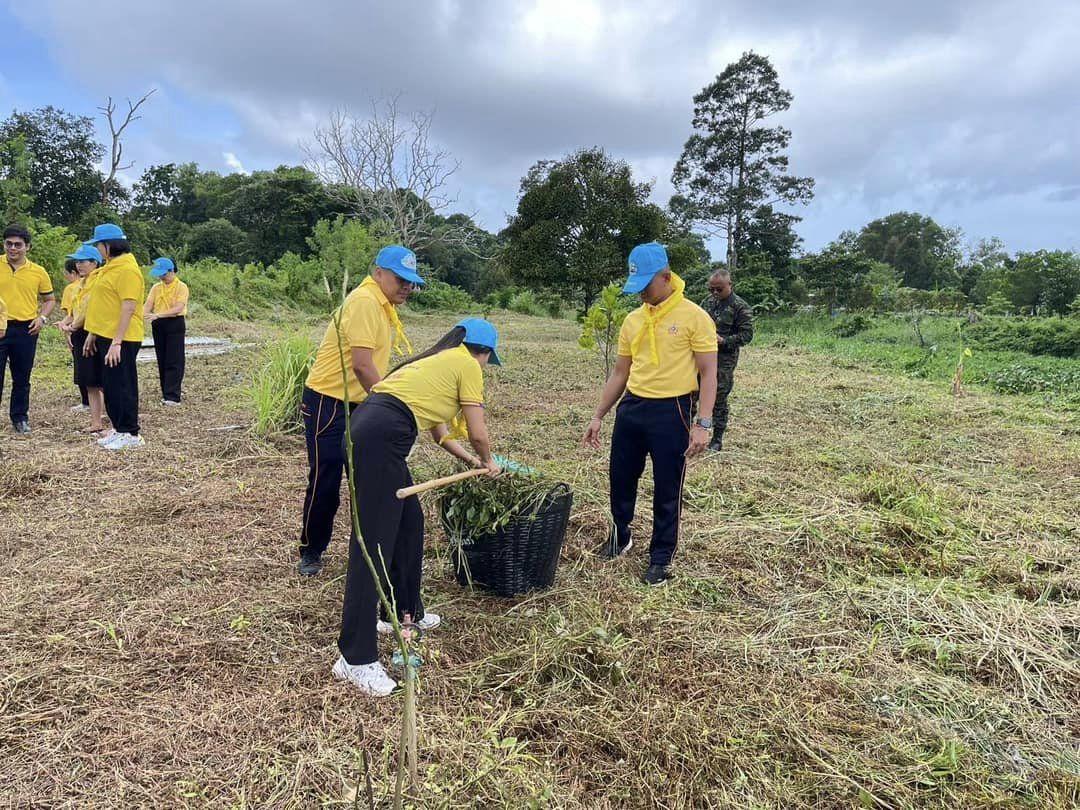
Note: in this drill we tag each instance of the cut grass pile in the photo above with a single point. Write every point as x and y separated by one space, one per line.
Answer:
876 605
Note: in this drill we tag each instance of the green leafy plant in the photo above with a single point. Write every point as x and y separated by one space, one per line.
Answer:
483 506
278 385
600 328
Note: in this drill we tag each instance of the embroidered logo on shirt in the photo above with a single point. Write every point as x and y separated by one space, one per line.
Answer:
673 329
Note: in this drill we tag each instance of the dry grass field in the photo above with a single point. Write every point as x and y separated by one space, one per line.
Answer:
876 606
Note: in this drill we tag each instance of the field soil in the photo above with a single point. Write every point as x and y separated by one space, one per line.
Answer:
876 605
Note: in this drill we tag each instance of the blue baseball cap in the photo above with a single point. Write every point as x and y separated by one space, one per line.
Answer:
106 232
85 253
401 262
645 262
481 333
161 266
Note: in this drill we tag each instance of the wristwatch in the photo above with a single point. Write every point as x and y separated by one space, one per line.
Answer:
703 422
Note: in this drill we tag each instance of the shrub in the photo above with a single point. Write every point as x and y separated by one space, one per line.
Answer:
1024 379
438 295
218 239
525 303
851 325
1059 337
600 328
278 386
243 293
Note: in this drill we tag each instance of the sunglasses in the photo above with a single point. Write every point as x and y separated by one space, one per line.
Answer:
13 243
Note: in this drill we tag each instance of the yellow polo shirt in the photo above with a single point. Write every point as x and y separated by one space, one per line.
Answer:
436 387
82 296
67 299
21 288
364 325
685 330
163 297
118 280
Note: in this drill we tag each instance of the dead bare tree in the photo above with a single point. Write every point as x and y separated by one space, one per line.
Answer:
116 149
386 168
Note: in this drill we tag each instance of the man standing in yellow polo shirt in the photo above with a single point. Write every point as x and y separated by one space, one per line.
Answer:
22 285
665 346
114 320
369 329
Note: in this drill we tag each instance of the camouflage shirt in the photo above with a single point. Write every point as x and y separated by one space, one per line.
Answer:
734 322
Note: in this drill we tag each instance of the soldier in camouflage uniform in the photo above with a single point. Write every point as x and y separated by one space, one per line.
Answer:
734 328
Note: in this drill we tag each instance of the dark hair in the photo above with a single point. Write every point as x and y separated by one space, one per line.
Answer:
69 267
451 340
117 247
175 266
19 231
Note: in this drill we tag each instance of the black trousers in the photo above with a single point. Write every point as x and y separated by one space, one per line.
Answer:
725 381
324 434
169 348
658 429
120 385
76 351
383 432
17 350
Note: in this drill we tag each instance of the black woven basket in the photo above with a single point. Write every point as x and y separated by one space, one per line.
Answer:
518 558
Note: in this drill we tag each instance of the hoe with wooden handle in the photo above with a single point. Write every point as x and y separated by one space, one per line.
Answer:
438 483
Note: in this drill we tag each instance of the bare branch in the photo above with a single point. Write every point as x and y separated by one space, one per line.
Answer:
116 149
385 168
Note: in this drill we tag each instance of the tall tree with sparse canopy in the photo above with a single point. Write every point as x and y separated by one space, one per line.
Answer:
733 164
576 222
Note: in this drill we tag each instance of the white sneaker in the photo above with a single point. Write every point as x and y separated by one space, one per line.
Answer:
80 409
429 622
106 437
123 441
170 403
371 679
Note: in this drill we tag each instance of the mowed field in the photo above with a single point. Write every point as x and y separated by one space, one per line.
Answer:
876 606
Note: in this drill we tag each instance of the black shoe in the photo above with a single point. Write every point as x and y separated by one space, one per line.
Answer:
613 548
310 565
21 427
657 575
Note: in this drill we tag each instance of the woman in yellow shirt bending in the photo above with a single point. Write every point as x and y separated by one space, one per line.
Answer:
441 385
165 308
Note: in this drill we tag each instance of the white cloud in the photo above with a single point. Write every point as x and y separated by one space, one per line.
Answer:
233 162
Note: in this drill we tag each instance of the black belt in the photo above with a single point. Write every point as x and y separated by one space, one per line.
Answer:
13 322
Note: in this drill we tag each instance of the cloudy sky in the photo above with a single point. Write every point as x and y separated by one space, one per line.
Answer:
967 111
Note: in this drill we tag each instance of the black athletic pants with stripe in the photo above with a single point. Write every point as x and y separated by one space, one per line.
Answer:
383 432
658 429
169 348
324 433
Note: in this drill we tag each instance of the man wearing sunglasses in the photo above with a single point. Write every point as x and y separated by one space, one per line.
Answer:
361 335
28 292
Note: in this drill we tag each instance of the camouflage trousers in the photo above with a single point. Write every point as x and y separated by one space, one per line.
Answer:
725 381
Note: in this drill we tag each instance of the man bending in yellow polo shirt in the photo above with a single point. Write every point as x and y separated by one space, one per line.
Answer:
369 328
22 285
665 346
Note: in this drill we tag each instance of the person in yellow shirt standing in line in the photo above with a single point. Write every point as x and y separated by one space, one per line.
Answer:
67 306
369 329
665 347
165 309
87 263
114 319
442 385
22 285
